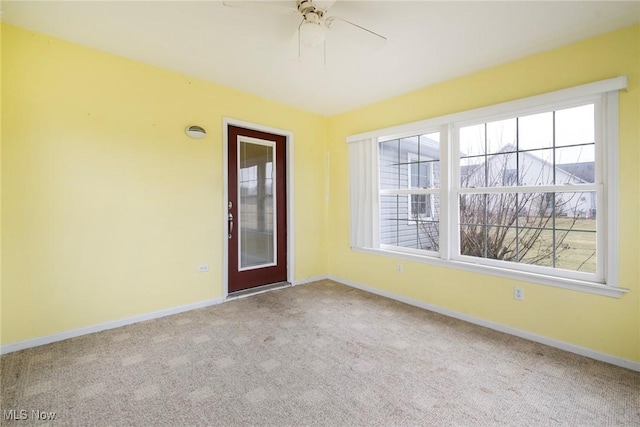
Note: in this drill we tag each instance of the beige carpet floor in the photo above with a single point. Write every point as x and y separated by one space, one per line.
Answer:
317 354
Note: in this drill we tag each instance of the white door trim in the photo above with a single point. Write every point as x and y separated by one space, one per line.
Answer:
226 122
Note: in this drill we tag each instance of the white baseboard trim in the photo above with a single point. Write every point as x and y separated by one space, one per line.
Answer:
583 351
310 280
572 348
35 342
61 336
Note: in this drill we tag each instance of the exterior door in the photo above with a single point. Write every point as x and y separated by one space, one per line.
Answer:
257 208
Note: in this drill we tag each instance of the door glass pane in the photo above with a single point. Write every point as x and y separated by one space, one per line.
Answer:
256 208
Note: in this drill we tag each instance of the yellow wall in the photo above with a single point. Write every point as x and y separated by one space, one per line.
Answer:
0 183
108 207
600 323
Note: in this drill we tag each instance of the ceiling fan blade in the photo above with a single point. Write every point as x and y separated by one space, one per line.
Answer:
270 6
354 31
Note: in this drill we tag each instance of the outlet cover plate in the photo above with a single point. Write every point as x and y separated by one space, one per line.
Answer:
518 293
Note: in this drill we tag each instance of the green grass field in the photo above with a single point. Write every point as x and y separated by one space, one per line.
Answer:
575 249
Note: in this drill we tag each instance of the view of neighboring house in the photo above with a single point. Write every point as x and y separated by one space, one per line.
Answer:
412 220
510 167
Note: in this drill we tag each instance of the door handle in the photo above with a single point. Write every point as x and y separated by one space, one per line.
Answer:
230 224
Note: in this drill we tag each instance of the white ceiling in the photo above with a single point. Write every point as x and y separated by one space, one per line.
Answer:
257 52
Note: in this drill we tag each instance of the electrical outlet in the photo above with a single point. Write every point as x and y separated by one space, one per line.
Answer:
518 294
399 268
203 268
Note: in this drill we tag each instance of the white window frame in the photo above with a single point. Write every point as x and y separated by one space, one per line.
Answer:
408 191
599 101
605 95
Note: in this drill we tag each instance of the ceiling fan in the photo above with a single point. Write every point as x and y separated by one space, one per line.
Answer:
316 22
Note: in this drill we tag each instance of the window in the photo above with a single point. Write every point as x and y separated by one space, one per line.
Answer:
525 189
509 177
518 201
409 192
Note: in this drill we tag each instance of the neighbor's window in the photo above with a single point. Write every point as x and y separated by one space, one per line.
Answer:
420 176
525 189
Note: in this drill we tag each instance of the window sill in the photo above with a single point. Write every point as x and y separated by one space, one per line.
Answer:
541 279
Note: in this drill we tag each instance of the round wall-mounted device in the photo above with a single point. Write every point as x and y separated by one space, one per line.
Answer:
195 132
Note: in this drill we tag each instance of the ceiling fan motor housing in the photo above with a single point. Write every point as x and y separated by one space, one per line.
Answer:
310 12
